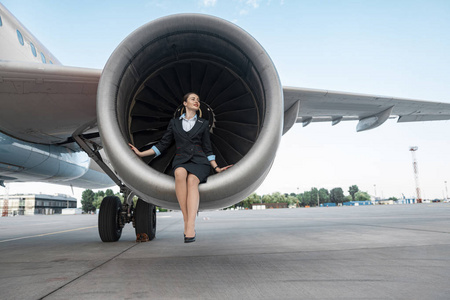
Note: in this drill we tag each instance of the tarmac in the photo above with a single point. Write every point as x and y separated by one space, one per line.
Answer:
365 252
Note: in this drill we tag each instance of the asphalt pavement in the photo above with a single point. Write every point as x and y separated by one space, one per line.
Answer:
365 252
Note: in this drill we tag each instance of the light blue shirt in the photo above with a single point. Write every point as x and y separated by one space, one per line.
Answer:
187 126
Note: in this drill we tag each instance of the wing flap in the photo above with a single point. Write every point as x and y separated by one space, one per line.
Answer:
419 118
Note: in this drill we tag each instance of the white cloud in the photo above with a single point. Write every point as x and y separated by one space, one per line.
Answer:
243 12
157 3
253 3
208 3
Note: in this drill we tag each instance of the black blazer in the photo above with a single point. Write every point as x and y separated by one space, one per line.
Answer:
194 145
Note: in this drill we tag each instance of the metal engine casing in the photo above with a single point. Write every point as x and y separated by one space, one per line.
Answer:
195 40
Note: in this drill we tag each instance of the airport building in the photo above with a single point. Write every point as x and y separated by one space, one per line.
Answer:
35 204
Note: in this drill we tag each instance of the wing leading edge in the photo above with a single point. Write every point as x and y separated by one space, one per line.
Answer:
312 105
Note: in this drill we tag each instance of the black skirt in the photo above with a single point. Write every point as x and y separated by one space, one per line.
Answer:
201 171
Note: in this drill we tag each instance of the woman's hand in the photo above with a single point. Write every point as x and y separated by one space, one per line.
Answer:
142 154
218 170
138 153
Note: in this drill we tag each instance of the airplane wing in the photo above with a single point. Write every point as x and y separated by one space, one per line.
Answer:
312 105
45 103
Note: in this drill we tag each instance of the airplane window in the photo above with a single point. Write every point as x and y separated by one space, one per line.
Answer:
51 62
20 37
33 49
43 58
1 23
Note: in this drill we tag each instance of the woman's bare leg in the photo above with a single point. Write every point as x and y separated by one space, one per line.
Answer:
181 191
193 199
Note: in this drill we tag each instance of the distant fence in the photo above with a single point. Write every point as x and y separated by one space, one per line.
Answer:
330 204
357 203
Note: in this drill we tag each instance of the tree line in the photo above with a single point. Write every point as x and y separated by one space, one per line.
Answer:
313 197
90 201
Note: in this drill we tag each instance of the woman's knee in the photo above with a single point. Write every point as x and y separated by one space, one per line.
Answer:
180 173
193 180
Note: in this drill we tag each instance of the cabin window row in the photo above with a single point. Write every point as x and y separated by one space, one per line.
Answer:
33 48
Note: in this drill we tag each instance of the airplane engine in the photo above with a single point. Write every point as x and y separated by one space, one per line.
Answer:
141 89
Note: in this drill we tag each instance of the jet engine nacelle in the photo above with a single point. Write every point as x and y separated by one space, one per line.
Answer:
141 89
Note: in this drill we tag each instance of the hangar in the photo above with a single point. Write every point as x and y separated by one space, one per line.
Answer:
35 204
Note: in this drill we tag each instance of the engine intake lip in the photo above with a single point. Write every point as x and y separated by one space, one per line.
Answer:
198 41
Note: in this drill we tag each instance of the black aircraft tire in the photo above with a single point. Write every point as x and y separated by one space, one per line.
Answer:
108 226
145 218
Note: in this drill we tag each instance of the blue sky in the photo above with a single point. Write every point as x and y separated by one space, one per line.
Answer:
393 48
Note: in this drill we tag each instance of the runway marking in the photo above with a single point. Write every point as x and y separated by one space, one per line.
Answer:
44 234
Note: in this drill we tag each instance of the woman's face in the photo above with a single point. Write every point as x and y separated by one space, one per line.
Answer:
192 102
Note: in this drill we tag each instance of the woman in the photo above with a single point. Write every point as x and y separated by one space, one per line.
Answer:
192 160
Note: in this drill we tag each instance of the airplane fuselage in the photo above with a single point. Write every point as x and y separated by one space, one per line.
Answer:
22 160
18 44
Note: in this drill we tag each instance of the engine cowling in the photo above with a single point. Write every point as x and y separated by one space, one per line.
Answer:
141 89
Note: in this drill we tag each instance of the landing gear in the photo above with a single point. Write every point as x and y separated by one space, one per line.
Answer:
145 219
113 214
109 219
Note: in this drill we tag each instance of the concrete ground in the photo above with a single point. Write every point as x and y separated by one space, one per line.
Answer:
374 252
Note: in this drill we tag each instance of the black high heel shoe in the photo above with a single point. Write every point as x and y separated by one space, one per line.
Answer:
189 239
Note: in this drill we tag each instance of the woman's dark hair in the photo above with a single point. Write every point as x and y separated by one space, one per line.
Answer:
185 97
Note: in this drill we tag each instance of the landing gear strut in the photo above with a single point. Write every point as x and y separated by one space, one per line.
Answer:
113 214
